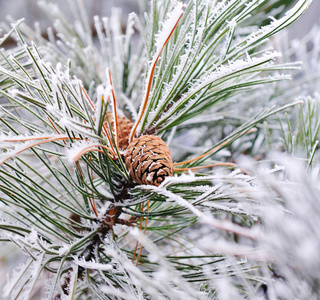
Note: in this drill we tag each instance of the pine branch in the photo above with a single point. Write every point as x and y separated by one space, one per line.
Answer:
206 77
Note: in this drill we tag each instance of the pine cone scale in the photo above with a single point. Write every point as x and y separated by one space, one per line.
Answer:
148 160
135 163
136 151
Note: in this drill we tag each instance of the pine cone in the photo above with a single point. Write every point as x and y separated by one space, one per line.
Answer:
124 129
148 160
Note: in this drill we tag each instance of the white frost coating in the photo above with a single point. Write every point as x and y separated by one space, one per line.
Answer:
22 137
186 291
56 87
51 108
73 276
221 73
232 68
103 94
209 190
160 41
152 257
295 234
24 280
77 147
231 248
243 45
167 27
204 218
73 124
183 178
32 238
223 52
16 275
185 62
225 290
64 250
149 177
129 32
189 57
53 7
176 198
92 264
194 49
17 149
100 91
235 210
137 277
14 92
190 177
80 30
65 122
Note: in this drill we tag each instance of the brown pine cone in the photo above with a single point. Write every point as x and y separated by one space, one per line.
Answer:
148 160
124 129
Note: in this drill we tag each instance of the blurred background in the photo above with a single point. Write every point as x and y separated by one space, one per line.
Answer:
30 11
307 21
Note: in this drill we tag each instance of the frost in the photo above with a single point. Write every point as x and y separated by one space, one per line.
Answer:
51 108
22 283
17 149
226 290
76 125
103 95
221 73
168 25
152 258
64 250
17 274
32 237
72 282
92 264
72 153
14 92
22 137
150 177
234 249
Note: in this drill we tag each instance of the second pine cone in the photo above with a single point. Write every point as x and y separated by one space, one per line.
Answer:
124 128
148 160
